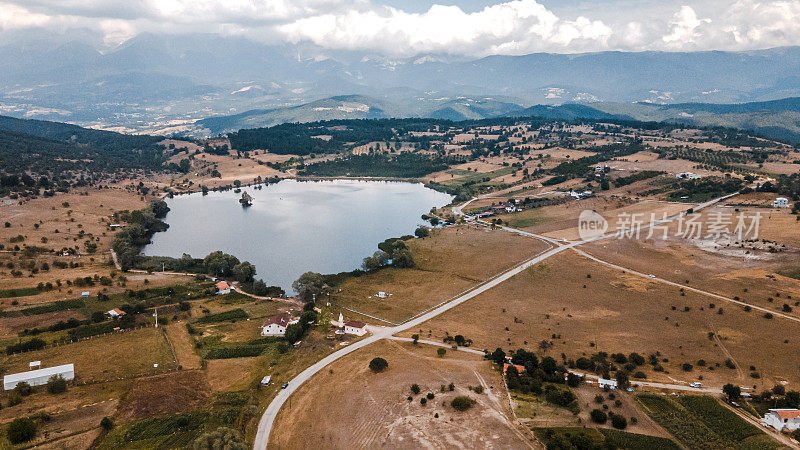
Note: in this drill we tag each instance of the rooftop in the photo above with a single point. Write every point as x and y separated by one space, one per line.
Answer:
46 372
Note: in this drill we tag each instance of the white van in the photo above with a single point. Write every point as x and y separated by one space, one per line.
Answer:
696 384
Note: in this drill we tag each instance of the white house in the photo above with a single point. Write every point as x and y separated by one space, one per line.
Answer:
602 382
783 418
276 325
224 288
687 175
780 202
355 327
115 313
38 377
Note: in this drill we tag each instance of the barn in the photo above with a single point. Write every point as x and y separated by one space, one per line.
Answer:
38 377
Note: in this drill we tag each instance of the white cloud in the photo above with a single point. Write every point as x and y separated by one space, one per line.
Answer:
512 27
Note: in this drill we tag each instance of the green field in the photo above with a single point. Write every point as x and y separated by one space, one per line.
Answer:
577 437
18 292
469 177
701 422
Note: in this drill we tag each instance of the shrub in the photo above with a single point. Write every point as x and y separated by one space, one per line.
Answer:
441 352
462 403
415 388
221 438
618 421
423 401
477 389
106 423
378 365
21 429
23 388
56 384
430 395
598 416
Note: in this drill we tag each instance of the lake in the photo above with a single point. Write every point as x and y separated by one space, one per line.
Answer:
296 226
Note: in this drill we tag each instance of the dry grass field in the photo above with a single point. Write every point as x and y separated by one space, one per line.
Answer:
582 307
348 406
448 262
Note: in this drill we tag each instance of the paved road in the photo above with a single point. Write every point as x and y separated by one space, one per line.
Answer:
268 419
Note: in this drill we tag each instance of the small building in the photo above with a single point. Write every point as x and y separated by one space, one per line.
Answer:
506 366
381 294
38 377
276 325
355 327
783 419
85 294
266 380
611 384
780 202
687 175
223 288
115 313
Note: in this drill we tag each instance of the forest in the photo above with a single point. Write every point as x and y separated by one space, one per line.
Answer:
403 165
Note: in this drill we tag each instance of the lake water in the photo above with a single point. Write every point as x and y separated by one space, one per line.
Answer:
296 226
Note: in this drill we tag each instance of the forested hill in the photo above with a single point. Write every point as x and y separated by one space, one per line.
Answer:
60 155
73 133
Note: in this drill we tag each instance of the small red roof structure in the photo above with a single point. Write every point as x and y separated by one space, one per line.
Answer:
355 324
787 413
278 319
519 368
222 285
119 311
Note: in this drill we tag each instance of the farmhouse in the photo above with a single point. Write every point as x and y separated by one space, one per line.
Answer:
602 382
784 418
355 327
687 175
276 325
38 377
115 313
224 288
520 369
780 202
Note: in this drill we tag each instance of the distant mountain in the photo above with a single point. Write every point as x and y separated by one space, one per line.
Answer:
160 82
465 109
340 107
779 119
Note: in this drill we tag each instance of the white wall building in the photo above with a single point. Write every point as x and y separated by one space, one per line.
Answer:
355 327
687 175
276 325
783 418
602 382
38 377
780 202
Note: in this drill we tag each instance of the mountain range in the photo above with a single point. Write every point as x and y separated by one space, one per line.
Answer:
163 84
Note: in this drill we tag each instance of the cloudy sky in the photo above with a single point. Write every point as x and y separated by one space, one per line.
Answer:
411 27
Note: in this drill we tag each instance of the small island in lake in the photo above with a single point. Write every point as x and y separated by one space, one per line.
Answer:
246 199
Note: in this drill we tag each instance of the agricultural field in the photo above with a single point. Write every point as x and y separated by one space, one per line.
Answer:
701 422
578 436
402 421
579 307
450 261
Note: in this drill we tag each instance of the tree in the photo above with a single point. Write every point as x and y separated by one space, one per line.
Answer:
619 421
244 272
462 403
21 429
376 261
184 165
498 356
441 352
403 259
622 379
378 365
732 391
415 388
56 384
23 388
422 232
106 423
222 438
415 337
219 264
98 316
598 416
309 285
294 332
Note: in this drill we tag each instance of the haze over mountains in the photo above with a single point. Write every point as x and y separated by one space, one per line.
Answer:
163 84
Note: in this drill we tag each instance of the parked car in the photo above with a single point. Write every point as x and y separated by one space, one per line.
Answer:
285 385
696 384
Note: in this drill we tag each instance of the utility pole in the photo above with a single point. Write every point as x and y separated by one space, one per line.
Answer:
156 316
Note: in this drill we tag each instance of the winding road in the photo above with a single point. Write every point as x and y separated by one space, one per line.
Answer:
556 246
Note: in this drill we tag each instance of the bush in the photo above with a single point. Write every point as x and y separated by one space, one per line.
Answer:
106 423
441 352
378 365
23 388
618 421
415 388
56 384
430 396
462 403
221 438
21 429
598 416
